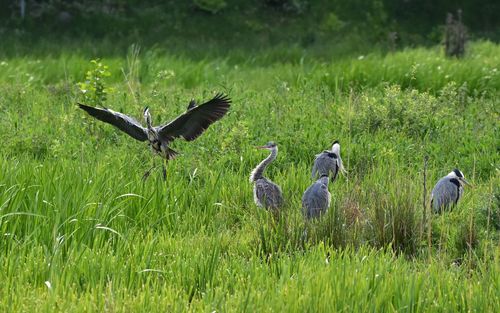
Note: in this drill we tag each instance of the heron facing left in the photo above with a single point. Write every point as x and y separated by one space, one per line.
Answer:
189 125
266 193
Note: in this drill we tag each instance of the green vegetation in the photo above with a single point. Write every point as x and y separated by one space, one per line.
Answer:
204 28
81 232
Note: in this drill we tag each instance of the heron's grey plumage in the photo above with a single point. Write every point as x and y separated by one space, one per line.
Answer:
266 193
447 191
316 198
123 122
196 120
324 164
188 125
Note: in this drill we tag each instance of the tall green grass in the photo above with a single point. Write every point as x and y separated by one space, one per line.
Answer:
81 231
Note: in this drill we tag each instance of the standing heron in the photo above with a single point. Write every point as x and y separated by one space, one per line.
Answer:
316 198
265 192
448 191
326 164
188 125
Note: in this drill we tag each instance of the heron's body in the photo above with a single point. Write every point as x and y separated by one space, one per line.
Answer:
447 191
325 164
188 125
316 198
266 193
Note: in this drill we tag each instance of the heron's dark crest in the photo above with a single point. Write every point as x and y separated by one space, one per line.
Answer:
458 173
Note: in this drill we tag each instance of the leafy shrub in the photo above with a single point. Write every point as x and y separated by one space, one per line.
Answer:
415 113
211 6
297 6
332 23
94 89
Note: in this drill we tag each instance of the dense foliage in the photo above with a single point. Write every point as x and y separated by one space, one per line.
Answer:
387 23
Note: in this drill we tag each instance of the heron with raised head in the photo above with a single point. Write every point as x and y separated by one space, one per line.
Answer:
448 191
188 125
326 164
316 198
266 193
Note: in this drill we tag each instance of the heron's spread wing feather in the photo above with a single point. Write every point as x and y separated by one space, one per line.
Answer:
196 120
119 120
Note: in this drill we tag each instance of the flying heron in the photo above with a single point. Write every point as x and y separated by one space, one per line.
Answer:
188 125
326 164
448 191
266 193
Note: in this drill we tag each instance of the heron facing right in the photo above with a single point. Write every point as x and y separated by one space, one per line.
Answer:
448 191
325 164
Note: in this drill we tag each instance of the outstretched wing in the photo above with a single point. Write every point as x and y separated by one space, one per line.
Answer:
196 120
192 104
119 120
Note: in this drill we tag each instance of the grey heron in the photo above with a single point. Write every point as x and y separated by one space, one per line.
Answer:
316 198
448 191
266 193
188 125
326 164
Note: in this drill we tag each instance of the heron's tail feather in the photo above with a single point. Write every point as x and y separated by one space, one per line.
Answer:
171 154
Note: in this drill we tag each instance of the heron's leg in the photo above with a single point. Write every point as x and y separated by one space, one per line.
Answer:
148 172
305 232
164 169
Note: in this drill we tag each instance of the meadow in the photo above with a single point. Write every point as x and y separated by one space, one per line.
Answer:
81 232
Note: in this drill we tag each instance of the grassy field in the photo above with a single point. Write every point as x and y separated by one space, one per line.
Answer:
82 233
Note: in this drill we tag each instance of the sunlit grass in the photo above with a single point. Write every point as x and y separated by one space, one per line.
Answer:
81 231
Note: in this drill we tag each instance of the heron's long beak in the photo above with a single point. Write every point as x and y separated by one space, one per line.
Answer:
466 182
261 147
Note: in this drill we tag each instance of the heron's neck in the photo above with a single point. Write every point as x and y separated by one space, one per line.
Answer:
259 170
336 150
148 124
324 179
